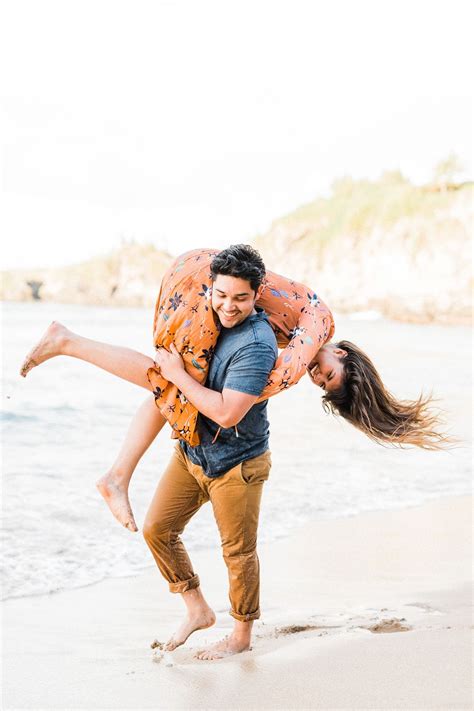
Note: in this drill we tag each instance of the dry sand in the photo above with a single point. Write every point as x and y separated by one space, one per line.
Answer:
369 612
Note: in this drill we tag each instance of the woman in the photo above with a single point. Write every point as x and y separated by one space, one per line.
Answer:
185 323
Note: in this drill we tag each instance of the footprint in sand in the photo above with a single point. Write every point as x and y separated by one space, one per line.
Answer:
425 607
160 655
392 624
295 629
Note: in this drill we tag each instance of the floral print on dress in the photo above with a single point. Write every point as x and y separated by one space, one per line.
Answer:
175 300
183 315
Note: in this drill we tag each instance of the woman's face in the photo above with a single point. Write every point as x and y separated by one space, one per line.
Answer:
327 367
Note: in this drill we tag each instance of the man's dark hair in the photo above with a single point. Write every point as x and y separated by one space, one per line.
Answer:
241 261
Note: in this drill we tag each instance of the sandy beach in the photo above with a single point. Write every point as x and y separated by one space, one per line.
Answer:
364 612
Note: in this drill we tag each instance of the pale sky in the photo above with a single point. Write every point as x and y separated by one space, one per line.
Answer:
197 123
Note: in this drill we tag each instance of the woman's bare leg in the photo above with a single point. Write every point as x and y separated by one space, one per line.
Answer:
126 364
123 362
143 429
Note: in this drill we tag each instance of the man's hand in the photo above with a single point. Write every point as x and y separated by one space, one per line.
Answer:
226 408
171 364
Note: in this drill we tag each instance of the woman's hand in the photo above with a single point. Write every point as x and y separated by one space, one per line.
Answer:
170 363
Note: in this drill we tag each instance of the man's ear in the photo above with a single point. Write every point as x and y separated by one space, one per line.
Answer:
259 292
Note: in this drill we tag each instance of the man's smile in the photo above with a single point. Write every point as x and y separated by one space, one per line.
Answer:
229 315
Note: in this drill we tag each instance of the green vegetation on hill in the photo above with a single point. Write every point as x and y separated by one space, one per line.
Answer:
382 244
357 206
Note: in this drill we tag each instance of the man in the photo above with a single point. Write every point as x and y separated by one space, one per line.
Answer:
232 461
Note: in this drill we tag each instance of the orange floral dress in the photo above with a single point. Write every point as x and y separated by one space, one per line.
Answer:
183 315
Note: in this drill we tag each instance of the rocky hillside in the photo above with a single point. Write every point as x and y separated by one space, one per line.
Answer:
386 245
130 276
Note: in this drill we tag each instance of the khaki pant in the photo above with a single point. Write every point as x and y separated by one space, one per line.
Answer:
235 498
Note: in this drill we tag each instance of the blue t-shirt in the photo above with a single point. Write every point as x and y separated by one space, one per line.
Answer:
243 358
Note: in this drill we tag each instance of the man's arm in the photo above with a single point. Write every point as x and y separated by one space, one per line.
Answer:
226 408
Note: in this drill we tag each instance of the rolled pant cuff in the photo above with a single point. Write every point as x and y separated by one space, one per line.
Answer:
245 618
185 585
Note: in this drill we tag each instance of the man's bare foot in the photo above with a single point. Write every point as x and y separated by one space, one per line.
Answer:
116 498
225 648
191 624
50 345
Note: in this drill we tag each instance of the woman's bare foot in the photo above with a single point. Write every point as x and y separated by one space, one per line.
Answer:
191 624
51 344
116 497
225 648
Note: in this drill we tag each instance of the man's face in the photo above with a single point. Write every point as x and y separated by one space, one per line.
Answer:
233 299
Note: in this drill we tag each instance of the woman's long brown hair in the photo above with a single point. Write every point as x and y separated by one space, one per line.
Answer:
364 401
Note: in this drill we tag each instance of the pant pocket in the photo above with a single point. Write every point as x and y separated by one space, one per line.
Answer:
257 469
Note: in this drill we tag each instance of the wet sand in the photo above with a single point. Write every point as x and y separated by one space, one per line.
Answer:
366 612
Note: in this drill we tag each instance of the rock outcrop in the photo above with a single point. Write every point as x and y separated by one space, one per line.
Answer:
403 251
130 276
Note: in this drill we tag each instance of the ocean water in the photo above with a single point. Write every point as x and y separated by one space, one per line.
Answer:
63 424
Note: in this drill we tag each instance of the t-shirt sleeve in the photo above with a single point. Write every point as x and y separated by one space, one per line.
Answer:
249 368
